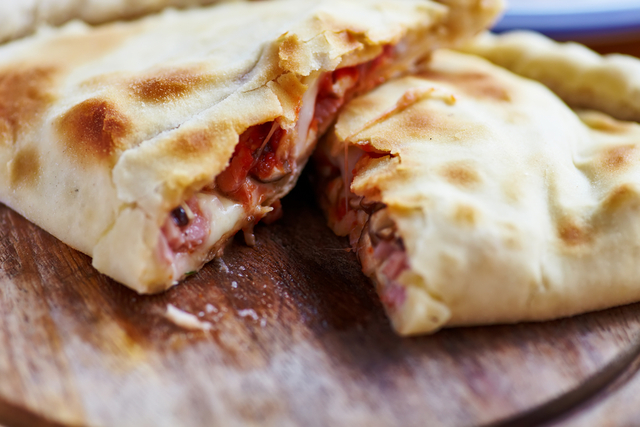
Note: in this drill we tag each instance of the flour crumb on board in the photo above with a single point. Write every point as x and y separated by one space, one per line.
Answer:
186 320
234 284
248 312
221 265
210 308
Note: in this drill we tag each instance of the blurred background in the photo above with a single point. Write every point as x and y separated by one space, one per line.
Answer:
605 25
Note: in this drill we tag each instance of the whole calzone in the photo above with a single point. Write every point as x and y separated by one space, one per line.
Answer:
477 196
148 144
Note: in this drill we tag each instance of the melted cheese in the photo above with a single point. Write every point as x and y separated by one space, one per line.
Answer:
226 217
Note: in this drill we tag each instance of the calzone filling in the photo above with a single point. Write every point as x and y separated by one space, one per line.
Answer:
372 233
265 165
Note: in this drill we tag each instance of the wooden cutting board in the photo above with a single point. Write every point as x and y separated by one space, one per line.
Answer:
298 338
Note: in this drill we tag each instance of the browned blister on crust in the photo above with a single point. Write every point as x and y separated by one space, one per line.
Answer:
93 131
25 168
167 86
506 204
106 131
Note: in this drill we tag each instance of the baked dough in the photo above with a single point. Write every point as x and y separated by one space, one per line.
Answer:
21 17
478 197
138 143
580 76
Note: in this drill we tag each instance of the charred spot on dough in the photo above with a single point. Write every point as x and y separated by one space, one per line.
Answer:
24 168
618 197
476 84
166 86
24 94
465 215
617 158
415 123
573 234
460 175
93 130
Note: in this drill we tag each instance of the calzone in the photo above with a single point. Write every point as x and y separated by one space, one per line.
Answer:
21 17
148 144
474 196
577 74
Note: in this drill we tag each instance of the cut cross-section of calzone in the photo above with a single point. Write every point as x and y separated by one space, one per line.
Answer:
148 144
477 196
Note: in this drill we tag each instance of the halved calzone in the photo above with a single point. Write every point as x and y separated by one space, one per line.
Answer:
477 196
148 144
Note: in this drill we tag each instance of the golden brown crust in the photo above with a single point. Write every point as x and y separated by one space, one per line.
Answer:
573 234
24 94
25 168
460 174
480 85
130 119
166 86
578 75
93 131
615 159
617 198
511 208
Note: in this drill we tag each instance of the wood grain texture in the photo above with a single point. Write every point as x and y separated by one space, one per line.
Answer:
299 338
